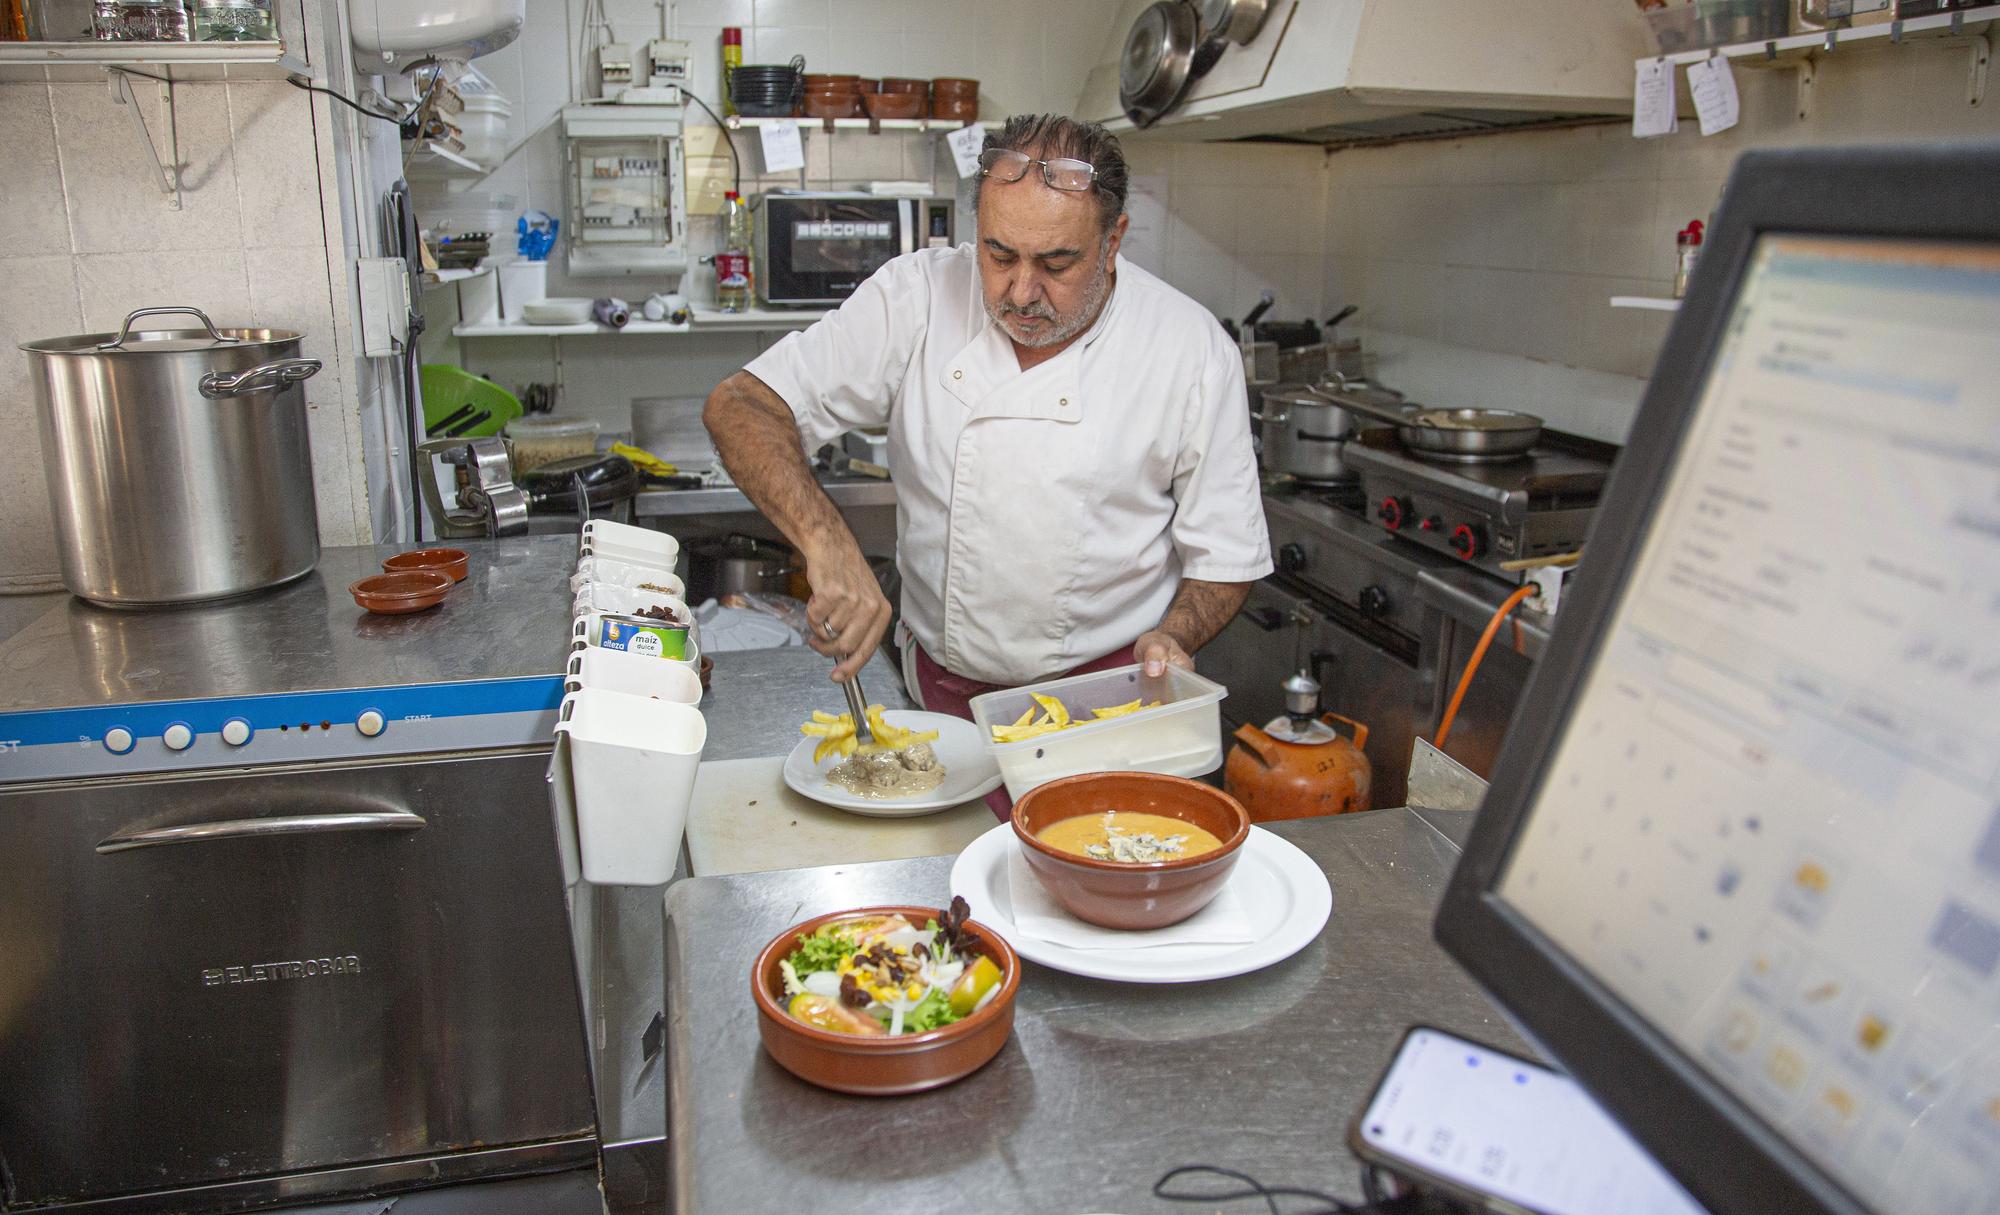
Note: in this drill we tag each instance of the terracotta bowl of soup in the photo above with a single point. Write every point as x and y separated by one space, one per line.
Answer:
882 1066
1059 822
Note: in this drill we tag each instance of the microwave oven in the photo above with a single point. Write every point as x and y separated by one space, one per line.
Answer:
814 249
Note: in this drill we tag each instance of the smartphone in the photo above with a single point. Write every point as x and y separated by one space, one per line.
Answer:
1504 1134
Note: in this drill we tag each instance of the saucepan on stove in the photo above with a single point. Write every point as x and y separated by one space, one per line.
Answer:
1469 436
1304 430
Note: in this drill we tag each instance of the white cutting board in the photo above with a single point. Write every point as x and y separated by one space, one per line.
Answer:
745 820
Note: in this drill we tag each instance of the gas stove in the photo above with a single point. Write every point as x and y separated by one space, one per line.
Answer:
1535 505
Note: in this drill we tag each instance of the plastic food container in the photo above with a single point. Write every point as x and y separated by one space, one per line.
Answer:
632 768
1183 737
483 127
611 671
538 441
603 597
610 572
624 542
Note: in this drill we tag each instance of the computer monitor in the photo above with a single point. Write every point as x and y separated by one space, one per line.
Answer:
1739 867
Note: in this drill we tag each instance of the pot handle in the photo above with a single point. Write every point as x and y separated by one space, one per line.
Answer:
1257 743
125 330
279 373
1360 731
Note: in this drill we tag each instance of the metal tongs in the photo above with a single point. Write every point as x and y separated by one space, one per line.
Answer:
857 704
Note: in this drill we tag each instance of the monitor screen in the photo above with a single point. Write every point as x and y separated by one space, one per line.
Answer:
1768 824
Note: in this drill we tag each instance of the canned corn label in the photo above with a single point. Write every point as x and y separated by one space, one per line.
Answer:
650 640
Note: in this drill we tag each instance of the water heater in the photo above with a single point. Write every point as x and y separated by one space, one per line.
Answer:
392 34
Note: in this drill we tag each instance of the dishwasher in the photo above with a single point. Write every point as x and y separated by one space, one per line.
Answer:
285 916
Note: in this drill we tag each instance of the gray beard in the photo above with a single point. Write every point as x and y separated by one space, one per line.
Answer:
1094 295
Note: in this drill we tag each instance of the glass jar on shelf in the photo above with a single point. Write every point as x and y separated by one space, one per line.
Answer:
140 21
233 21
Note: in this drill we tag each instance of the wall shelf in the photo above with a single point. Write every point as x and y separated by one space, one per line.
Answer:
705 321
737 122
161 60
1648 303
435 162
1964 29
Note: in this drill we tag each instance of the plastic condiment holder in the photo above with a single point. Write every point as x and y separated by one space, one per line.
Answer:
633 675
632 769
610 571
622 541
1183 737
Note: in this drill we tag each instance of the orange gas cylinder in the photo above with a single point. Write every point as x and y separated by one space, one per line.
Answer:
1299 768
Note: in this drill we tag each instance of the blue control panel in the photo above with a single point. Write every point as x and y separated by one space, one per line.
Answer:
176 735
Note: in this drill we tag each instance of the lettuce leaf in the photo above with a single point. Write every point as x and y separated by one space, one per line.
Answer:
823 950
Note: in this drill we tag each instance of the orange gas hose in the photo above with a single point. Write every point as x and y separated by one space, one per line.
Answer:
1526 591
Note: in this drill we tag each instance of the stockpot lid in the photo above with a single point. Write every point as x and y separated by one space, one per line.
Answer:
130 341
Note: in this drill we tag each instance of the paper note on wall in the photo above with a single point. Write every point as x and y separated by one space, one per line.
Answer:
783 150
1714 87
1653 107
965 144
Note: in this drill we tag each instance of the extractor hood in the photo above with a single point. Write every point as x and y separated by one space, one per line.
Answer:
1347 71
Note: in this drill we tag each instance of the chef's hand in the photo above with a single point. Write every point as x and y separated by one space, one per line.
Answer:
846 596
1156 652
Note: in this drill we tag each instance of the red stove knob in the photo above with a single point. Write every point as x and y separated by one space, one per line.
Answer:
1393 512
1468 540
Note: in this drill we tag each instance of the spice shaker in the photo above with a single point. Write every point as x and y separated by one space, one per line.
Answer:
1688 244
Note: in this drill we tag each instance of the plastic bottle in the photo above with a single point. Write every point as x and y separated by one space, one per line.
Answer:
732 265
1688 244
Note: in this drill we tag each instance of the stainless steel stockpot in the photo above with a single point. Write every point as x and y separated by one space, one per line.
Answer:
177 460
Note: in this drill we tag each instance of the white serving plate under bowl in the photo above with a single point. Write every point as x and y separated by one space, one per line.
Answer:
1284 894
969 772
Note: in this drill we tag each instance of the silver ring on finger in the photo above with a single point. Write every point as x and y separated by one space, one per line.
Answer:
826 626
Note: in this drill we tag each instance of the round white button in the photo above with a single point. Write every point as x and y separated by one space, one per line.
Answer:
118 740
370 723
177 737
236 731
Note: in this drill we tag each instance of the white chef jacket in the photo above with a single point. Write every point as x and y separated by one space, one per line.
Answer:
1044 518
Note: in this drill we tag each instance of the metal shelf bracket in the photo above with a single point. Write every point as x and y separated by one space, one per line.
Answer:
167 169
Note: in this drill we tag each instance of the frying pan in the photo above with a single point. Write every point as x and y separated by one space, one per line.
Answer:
1470 436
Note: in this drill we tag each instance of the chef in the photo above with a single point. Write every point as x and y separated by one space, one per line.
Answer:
1075 486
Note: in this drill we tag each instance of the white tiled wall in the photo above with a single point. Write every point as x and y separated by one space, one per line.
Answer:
95 239
1483 267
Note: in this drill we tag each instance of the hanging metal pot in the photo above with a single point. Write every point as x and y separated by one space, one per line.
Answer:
177 460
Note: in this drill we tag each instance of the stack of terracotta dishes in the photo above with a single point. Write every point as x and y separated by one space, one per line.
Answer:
829 96
955 99
898 104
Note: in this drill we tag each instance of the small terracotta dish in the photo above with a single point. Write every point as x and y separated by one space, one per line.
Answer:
955 109
452 561
1119 894
904 84
955 87
407 591
884 1066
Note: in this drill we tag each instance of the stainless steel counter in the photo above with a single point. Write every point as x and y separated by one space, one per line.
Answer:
846 493
509 618
1103 1087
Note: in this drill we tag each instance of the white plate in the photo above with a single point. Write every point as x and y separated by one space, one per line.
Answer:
969 771
1283 891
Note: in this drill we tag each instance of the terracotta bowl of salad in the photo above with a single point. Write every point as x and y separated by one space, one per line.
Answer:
883 1001
1132 850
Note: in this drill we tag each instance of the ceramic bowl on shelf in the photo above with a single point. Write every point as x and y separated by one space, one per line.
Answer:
401 593
905 84
893 105
955 109
1128 894
822 103
452 561
955 87
880 1065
